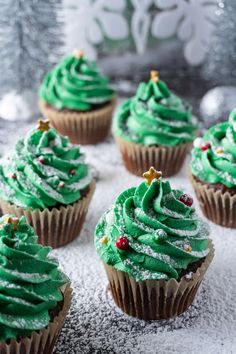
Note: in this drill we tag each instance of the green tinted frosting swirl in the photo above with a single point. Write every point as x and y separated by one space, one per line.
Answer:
43 171
30 281
77 84
164 234
218 163
155 116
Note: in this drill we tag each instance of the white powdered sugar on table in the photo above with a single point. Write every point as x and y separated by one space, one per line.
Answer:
96 325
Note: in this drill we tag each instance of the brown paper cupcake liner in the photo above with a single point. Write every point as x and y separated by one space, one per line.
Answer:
43 341
81 127
156 299
216 206
138 158
55 227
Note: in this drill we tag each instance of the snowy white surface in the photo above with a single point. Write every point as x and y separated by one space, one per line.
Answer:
96 325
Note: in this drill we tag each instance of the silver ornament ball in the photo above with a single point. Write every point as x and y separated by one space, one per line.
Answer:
217 104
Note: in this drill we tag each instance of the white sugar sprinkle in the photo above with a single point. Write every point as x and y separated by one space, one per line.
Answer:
96 325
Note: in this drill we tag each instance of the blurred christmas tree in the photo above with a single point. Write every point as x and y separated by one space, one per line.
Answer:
30 42
220 66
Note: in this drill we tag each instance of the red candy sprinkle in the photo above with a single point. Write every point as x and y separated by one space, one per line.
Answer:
13 175
72 172
205 146
41 159
186 199
61 185
122 243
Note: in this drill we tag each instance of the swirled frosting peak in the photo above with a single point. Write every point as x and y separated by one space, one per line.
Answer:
155 116
214 155
30 280
152 231
44 170
76 84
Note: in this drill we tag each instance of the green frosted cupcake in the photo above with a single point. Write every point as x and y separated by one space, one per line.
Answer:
47 180
77 99
155 127
155 249
213 172
35 295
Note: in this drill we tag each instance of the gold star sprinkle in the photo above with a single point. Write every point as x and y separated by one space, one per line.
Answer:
43 125
14 221
151 175
219 150
104 240
78 53
188 248
154 75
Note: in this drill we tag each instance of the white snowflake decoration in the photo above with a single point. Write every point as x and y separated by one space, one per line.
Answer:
88 22
140 23
191 20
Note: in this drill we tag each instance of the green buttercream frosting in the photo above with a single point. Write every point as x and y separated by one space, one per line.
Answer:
155 116
164 234
30 281
43 171
217 164
77 84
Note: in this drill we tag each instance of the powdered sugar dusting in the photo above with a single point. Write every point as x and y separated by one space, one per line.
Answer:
147 250
96 325
143 273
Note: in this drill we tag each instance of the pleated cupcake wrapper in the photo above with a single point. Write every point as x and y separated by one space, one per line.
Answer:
43 341
156 299
138 158
216 206
81 127
55 227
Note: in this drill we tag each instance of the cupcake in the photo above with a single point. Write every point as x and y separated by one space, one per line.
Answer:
46 179
35 294
78 100
154 248
155 127
213 172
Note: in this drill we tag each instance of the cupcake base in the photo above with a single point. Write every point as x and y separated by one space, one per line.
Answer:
156 299
138 158
81 127
58 226
217 204
42 341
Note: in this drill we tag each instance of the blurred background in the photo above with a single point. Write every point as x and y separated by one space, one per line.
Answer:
191 42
